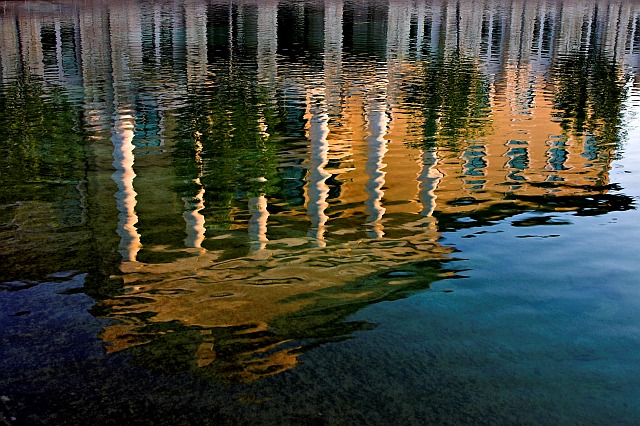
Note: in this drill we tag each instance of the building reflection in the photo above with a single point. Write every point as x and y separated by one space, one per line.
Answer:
265 169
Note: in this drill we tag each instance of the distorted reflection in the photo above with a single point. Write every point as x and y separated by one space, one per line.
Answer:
123 159
377 122
318 190
266 168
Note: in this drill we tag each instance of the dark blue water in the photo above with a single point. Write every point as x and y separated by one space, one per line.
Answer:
338 212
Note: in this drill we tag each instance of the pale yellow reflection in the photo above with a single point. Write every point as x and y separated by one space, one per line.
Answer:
317 188
377 122
428 180
123 159
125 36
195 220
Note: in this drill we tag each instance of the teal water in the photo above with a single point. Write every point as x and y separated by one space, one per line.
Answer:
319 212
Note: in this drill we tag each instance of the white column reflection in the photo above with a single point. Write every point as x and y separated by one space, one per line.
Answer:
30 34
126 54
377 119
195 219
317 188
59 65
451 35
266 56
398 29
157 25
428 181
398 36
123 159
267 30
267 45
192 215
420 17
332 63
258 222
436 24
196 41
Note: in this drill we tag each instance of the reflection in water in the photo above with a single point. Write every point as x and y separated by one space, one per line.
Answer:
318 190
261 313
589 97
455 100
126 196
428 182
258 222
377 122
312 152
195 220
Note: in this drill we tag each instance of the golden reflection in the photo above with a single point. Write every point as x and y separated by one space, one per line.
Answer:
266 301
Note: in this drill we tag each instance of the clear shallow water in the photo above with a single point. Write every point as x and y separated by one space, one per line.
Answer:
319 212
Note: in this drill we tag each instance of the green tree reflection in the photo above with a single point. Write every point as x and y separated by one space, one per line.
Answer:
590 91
455 99
42 170
229 132
41 139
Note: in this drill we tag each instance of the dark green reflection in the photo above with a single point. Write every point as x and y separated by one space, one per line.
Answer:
455 99
43 193
590 91
41 140
228 138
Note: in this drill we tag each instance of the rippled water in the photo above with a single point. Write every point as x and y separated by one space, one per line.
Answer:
338 212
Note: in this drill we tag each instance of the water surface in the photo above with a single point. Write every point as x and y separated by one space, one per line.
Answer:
338 212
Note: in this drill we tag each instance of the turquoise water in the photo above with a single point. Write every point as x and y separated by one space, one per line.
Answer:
337 212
